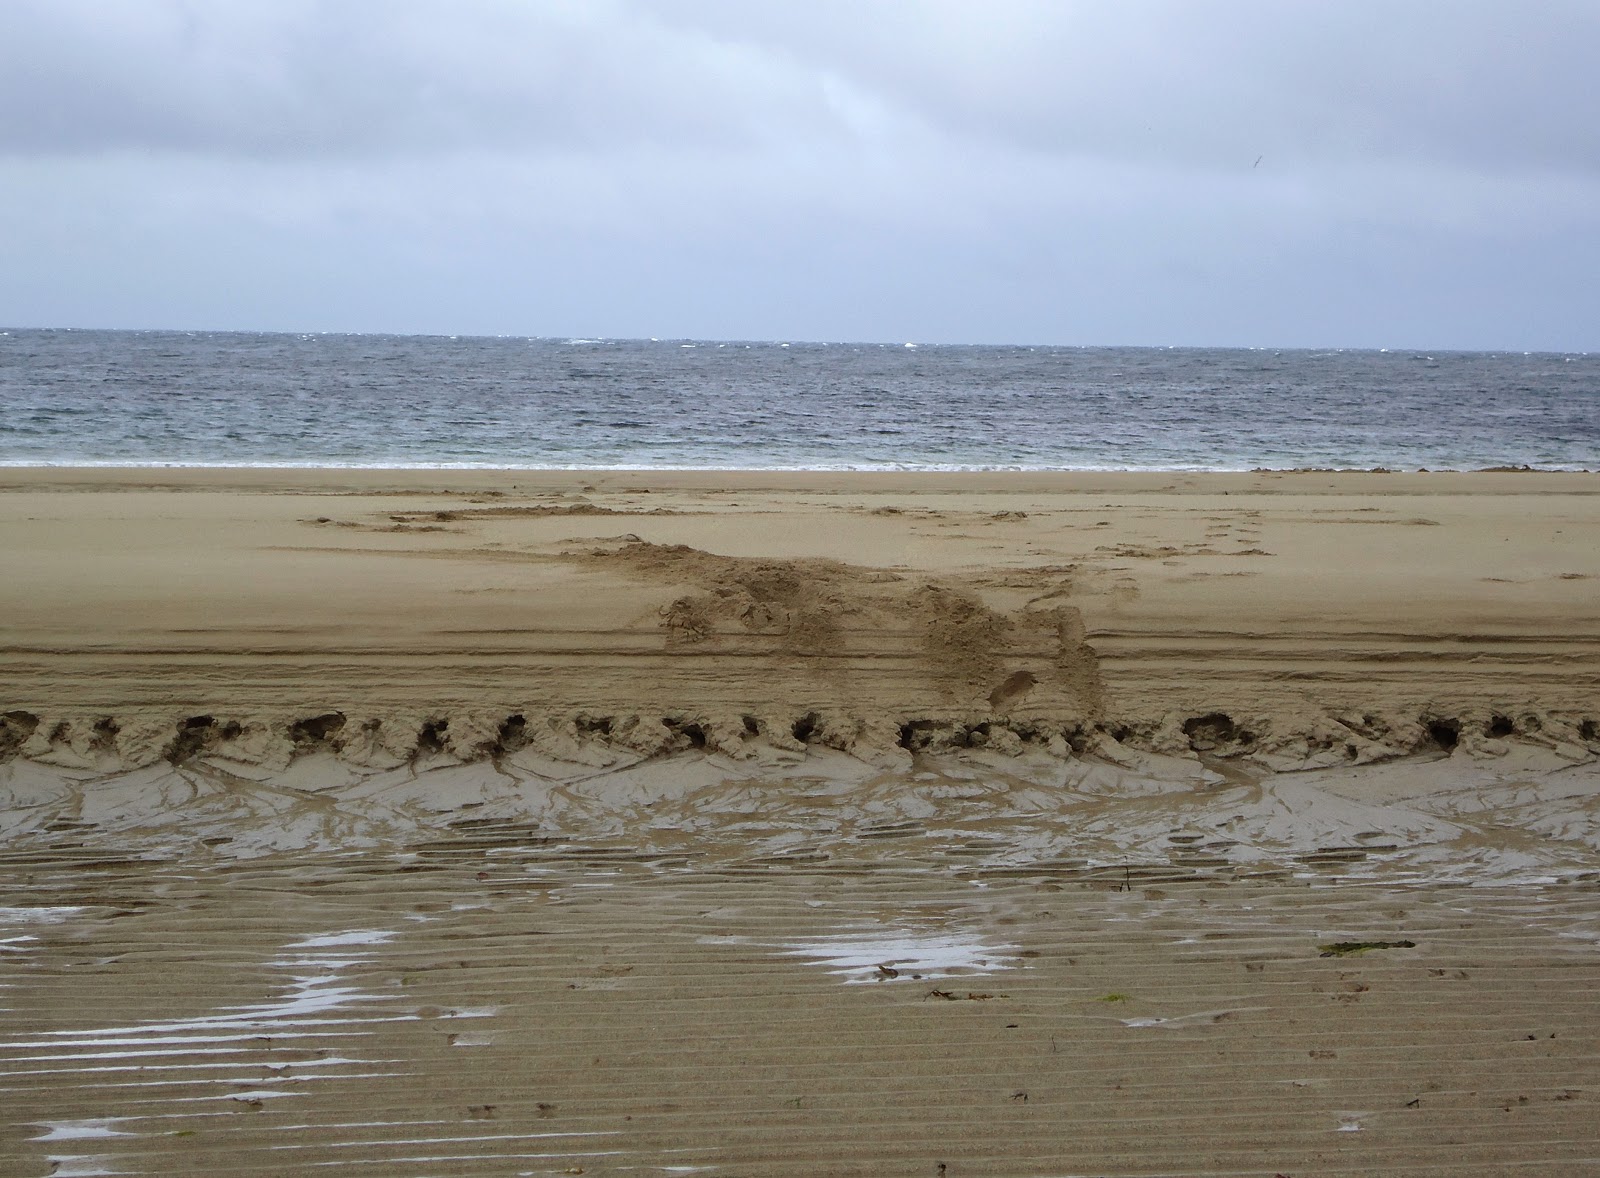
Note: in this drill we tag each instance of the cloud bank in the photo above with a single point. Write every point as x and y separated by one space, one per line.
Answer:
1151 172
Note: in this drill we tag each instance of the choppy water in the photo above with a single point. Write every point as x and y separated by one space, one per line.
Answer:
219 398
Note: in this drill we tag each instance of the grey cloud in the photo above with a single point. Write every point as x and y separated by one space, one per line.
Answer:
327 77
1470 83
663 243
1016 170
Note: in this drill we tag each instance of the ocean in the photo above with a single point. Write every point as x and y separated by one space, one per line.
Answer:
75 397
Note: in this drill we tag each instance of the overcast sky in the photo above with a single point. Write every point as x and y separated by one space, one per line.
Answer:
1263 172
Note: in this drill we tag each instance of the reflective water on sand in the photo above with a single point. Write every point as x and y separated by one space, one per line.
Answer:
844 970
889 953
1531 816
735 1015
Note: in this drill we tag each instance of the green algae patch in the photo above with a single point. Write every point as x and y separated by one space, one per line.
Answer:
1357 948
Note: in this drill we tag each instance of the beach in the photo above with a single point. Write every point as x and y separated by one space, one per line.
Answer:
150 596
786 590
487 821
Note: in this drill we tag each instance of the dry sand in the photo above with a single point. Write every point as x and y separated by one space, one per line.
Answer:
534 822
1071 605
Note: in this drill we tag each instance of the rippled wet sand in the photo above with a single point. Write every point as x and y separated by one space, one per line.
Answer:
496 1001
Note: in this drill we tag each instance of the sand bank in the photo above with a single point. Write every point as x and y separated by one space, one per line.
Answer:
1307 619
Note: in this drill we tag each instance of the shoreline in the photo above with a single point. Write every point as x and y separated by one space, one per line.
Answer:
203 472
904 469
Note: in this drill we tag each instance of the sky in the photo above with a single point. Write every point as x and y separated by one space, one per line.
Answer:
1156 172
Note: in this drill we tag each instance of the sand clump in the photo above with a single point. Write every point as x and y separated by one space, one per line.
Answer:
818 611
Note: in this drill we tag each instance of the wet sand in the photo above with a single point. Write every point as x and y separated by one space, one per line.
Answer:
580 1008
484 823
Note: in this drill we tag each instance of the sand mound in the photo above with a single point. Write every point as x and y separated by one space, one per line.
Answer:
816 609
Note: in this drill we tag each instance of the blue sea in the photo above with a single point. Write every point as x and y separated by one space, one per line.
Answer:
75 397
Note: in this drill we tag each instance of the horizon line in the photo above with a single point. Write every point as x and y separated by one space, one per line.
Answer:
787 341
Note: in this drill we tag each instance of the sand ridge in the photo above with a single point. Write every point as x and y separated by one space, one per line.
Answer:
1304 619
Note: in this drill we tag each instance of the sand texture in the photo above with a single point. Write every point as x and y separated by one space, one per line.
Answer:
581 1008
1303 618
617 823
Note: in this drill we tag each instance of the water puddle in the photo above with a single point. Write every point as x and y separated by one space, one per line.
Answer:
352 937
1199 1018
80 1166
82 1130
13 940
14 920
317 985
886 953
44 915
216 1050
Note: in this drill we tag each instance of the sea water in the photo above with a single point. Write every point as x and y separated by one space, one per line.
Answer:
75 397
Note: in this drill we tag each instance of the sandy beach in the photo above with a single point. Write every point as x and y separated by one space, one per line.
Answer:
1044 603
752 822
721 590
